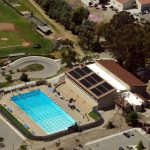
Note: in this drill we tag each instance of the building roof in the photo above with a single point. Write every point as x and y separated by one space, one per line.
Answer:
123 1
121 73
90 82
44 28
144 1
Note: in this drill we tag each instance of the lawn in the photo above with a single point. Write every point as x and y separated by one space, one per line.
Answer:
33 67
12 38
94 115
26 6
25 31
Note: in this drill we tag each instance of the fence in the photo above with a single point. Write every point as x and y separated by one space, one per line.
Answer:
12 120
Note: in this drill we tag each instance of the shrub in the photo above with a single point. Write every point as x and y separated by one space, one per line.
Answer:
41 82
1 139
24 77
140 146
109 125
10 71
132 118
3 73
8 78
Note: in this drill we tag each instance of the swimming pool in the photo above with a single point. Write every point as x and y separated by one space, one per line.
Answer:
43 111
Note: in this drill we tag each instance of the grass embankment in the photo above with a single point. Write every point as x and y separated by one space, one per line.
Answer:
94 115
25 32
4 84
14 121
26 6
33 67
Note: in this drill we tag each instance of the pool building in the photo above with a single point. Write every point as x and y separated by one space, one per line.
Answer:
99 83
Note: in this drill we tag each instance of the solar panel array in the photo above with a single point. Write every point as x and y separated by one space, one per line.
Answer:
80 72
90 81
101 89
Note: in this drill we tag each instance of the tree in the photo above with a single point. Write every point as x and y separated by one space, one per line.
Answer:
1 139
132 118
110 125
69 57
87 34
24 77
140 146
8 78
79 15
129 50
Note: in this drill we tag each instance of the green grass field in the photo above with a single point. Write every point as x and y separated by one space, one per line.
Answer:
26 6
25 31
13 38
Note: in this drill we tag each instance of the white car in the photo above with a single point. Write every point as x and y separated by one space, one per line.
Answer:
130 133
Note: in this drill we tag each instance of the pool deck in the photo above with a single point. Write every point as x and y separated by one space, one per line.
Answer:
24 119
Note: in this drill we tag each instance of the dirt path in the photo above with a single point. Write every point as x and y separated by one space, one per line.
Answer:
60 31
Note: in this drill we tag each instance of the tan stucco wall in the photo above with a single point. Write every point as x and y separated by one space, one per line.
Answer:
117 5
138 5
72 85
128 5
139 89
107 101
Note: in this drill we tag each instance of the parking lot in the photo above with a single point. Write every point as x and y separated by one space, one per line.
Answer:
119 140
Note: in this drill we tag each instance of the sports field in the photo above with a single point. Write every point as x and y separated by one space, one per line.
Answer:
24 32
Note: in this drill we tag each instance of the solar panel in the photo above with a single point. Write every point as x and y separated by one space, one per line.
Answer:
96 77
79 71
91 80
86 69
101 88
85 83
96 92
107 86
74 74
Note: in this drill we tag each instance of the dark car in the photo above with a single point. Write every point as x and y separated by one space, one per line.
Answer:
120 148
126 134
129 148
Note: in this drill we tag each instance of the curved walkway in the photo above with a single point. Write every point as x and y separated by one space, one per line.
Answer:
51 67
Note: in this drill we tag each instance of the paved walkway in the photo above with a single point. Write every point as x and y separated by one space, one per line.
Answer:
51 67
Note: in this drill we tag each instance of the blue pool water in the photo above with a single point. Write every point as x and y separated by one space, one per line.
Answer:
43 111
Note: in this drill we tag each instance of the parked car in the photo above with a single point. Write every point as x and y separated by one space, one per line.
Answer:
129 148
126 134
120 148
130 133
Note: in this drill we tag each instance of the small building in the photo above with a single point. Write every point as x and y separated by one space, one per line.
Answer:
44 29
86 2
143 4
123 4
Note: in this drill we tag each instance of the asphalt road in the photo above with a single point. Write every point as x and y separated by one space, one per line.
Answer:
12 140
50 67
